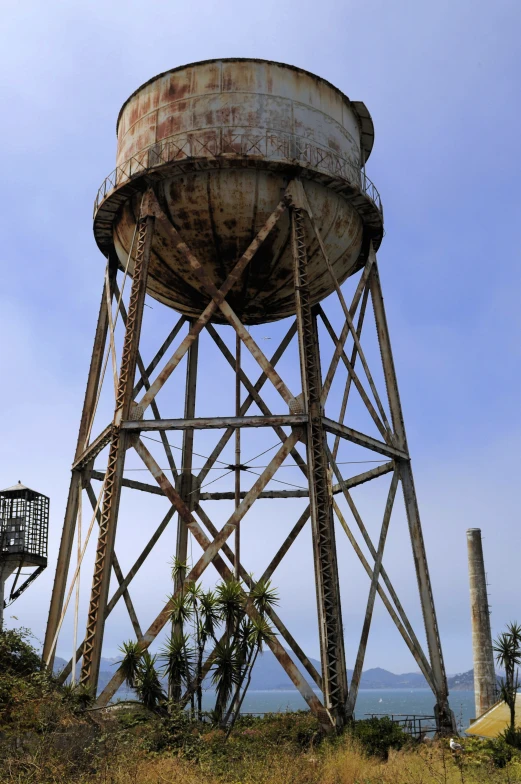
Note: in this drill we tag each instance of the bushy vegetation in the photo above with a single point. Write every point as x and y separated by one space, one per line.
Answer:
230 622
377 736
46 735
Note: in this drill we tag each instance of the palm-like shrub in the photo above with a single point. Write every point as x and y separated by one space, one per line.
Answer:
225 675
139 668
130 662
178 658
148 685
507 648
197 616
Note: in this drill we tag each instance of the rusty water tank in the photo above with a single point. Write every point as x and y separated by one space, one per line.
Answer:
219 141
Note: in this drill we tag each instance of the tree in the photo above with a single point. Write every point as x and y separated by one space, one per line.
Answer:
507 648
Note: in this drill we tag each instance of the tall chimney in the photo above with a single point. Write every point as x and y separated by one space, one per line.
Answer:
484 674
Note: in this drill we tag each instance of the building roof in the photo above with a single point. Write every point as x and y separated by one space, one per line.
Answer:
19 486
495 720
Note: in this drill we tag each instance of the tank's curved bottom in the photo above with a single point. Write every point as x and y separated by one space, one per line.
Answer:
218 213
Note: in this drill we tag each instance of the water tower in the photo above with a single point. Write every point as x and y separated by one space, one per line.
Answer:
239 198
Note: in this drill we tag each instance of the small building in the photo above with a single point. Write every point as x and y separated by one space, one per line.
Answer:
496 720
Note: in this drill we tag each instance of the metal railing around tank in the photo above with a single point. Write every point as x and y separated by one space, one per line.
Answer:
223 143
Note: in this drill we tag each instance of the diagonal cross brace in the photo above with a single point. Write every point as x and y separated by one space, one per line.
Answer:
210 554
354 377
117 569
211 308
230 555
359 662
360 289
385 577
64 674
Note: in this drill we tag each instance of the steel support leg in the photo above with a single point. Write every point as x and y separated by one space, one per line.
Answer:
71 511
444 715
334 674
186 479
116 459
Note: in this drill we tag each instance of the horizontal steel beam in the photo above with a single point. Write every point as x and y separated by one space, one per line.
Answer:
131 483
353 481
266 494
217 423
363 440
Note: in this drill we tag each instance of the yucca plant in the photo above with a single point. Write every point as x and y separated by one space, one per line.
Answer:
179 570
148 685
230 604
264 596
207 619
507 648
181 609
225 674
260 633
130 662
178 658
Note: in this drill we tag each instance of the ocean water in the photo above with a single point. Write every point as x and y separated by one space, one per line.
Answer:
384 701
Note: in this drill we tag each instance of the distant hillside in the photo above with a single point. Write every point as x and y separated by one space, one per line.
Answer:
268 675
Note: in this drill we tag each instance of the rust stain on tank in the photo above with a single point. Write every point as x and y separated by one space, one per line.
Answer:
226 137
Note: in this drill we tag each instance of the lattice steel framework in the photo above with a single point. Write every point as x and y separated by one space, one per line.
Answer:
306 423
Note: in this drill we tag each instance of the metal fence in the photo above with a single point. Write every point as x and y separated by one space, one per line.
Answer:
416 725
222 143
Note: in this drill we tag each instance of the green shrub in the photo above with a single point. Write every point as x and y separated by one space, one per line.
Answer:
378 735
512 737
17 656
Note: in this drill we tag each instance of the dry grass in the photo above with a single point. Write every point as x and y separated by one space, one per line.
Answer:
256 759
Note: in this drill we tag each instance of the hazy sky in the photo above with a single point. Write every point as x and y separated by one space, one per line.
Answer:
440 81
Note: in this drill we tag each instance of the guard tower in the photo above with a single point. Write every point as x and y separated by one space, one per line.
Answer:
240 197
24 524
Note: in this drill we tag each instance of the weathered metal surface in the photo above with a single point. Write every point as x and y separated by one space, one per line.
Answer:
409 641
116 460
93 450
445 716
204 318
354 377
354 355
220 140
372 550
485 686
211 550
241 573
363 440
159 355
64 674
69 524
211 423
229 314
115 565
331 635
146 383
360 289
360 657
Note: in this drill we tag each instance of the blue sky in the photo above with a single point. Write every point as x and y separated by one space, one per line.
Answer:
440 81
